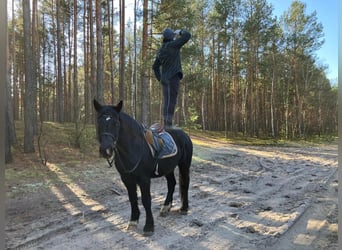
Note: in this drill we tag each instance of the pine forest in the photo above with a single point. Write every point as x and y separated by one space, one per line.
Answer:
247 72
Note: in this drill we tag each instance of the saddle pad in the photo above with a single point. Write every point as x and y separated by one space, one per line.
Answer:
168 149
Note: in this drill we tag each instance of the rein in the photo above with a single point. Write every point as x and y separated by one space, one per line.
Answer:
110 162
121 164
117 154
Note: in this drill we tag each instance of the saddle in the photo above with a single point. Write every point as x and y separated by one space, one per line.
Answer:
161 142
153 132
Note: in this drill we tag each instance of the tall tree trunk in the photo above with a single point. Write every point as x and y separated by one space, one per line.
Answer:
69 82
122 52
183 105
203 110
14 67
110 14
54 88
92 53
286 104
135 66
257 119
29 111
225 86
99 49
244 111
65 86
10 136
9 123
43 100
3 66
59 90
87 83
35 61
212 104
272 94
235 80
75 75
144 75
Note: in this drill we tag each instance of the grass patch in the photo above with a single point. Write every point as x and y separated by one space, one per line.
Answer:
29 173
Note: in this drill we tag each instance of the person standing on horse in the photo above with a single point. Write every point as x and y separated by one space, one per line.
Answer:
167 68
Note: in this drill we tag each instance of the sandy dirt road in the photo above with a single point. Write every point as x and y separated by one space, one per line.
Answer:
241 197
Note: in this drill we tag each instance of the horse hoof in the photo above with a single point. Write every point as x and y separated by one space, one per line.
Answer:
148 233
133 224
148 230
165 209
183 212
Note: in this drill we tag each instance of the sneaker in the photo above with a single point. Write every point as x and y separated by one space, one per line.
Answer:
172 127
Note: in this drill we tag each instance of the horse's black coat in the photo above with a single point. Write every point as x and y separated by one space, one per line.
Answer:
120 136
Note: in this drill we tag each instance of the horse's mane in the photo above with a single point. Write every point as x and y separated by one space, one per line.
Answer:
129 121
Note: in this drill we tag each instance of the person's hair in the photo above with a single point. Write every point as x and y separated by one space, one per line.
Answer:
168 35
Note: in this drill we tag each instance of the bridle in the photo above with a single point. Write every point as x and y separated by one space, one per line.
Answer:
111 160
117 155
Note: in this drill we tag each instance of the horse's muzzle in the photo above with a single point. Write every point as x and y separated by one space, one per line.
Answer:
107 151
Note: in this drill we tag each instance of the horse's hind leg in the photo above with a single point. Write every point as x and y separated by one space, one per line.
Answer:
171 183
184 182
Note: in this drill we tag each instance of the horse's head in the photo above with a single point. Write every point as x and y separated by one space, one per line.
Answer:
108 127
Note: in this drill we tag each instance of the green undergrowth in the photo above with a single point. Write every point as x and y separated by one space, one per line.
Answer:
62 135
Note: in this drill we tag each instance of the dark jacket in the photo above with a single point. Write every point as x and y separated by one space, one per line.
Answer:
169 59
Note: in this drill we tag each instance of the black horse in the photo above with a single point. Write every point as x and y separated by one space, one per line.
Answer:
122 138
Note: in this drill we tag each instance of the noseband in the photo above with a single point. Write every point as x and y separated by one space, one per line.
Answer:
111 161
110 135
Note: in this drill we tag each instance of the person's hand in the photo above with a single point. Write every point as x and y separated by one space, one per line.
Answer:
177 32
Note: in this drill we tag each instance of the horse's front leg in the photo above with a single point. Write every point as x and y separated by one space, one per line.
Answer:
146 201
133 199
171 183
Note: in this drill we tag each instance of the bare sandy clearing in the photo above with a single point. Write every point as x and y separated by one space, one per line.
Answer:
240 198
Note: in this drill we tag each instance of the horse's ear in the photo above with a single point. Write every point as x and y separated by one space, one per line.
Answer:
118 107
97 105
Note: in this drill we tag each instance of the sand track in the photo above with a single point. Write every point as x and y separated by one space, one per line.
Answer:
240 198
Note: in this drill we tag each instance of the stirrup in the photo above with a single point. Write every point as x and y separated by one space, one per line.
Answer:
157 127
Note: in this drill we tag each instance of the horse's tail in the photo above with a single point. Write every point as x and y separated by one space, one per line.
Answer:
188 150
184 171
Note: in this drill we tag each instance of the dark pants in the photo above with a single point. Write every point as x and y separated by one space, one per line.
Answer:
170 93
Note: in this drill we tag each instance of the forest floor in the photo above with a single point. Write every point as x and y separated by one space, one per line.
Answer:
241 197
